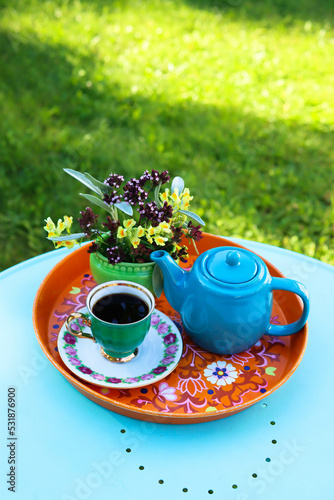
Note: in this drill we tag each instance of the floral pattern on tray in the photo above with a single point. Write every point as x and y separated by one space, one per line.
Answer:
202 382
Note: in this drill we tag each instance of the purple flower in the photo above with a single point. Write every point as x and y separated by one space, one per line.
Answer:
84 369
114 380
98 376
70 339
177 234
154 214
154 177
171 349
112 198
87 221
149 211
164 177
114 180
131 380
75 327
70 350
146 177
141 254
147 377
154 319
134 193
195 231
182 254
74 361
81 322
159 369
115 255
163 328
93 248
165 213
112 226
167 360
157 178
170 338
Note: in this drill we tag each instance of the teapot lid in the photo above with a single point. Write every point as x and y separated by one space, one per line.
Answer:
232 266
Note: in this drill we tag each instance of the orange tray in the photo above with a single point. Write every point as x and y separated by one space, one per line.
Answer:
186 395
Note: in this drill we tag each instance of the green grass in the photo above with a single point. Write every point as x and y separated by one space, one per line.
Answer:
237 100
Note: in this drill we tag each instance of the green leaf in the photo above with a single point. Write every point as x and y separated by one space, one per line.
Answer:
125 207
97 201
157 281
98 184
68 237
193 216
156 195
79 176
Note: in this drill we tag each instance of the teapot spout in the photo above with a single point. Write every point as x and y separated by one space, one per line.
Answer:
174 278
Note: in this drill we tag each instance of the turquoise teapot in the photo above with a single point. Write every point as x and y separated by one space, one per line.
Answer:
226 299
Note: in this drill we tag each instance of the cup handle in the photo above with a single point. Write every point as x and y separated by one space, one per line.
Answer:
85 320
299 289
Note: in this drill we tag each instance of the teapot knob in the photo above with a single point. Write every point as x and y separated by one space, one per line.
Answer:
233 258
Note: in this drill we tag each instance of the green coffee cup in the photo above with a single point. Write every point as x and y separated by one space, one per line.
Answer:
119 316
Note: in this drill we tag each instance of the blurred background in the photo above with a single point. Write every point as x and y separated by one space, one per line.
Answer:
234 96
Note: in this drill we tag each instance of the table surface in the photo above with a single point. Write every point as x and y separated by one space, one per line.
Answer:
69 448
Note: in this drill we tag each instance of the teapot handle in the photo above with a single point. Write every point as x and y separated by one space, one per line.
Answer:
299 289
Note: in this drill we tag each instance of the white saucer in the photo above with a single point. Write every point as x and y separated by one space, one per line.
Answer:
157 356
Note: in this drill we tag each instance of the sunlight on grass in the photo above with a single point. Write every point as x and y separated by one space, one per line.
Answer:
181 53
238 101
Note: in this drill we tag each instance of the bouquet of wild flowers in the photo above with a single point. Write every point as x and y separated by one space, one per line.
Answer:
140 218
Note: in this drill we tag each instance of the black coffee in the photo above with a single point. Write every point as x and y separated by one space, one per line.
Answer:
120 308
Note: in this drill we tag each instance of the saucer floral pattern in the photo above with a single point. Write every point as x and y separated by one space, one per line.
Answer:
171 346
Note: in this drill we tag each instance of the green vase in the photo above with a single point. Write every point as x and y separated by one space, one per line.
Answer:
103 271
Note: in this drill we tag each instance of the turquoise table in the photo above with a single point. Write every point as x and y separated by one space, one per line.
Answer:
69 448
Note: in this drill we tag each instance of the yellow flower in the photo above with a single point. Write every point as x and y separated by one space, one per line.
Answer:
175 198
55 232
70 243
135 236
165 227
126 230
160 240
121 233
50 225
68 222
140 231
135 241
178 201
185 199
129 223
67 244
150 232
60 226
165 195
